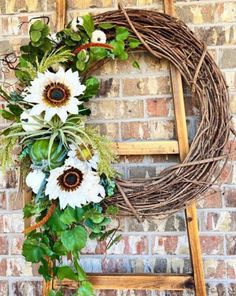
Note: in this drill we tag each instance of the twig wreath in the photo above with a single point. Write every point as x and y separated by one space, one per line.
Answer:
68 165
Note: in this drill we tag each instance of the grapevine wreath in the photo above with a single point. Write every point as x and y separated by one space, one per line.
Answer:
68 164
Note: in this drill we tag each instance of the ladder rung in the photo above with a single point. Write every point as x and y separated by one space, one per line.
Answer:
133 282
146 147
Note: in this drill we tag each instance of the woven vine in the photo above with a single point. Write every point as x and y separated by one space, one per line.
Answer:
166 37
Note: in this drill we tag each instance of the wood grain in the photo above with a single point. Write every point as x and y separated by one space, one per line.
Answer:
182 135
133 282
146 147
60 14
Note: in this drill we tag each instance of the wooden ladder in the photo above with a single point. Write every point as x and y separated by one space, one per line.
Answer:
195 280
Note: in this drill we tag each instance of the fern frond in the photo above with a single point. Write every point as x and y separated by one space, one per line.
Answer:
59 56
106 154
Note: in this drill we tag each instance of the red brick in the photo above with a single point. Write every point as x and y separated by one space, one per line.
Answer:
230 197
127 245
11 179
114 265
3 202
215 269
111 130
162 129
216 289
159 107
231 269
3 245
211 199
146 86
23 288
216 35
231 244
16 245
15 201
17 266
109 88
170 245
212 245
3 267
232 289
3 288
116 109
11 25
218 221
11 223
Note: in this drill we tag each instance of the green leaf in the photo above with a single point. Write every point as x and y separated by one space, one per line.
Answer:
32 251
118 47
55 293
59 249
55 224
88 24
86 289
79 213
106 26
15 109
75 37
80 65
92 87
68 31
123 56
114 241
98 53
96 228
112 210
121 33
35 36
45 31
65 272
44 270
94 216
134 43
136 65
81 273
7 115
82 55
74 239
37 26
68 216
31 209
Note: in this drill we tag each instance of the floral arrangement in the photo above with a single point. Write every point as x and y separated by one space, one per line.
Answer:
64 161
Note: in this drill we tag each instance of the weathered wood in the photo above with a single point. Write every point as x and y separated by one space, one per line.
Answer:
133 282
146 147
182 135
60 14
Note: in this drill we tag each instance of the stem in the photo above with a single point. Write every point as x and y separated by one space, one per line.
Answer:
43 221
92 44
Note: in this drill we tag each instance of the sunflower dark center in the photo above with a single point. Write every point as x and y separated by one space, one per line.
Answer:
56 94
70 180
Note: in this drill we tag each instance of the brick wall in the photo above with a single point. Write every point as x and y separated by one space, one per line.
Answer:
135 104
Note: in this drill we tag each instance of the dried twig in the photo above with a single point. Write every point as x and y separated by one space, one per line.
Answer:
174 188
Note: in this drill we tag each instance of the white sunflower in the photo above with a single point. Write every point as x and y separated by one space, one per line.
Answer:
29 124
84 154
77 21
74 184
55 93
35 179
98 36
